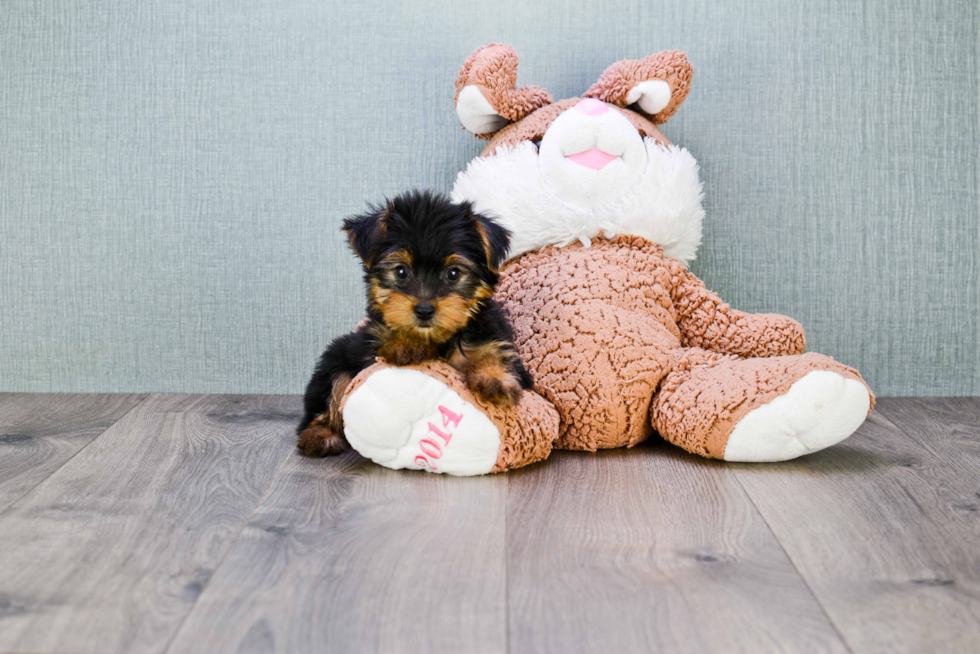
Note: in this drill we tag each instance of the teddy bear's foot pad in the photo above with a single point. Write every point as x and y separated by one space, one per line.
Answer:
819 410
404 418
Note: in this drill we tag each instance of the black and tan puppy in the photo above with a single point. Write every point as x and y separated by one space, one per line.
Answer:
430 268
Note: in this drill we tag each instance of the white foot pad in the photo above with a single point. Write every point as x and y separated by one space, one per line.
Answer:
403 418
819 410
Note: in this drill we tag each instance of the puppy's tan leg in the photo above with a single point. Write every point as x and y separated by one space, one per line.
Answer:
404 350
490 372
325 435
317 440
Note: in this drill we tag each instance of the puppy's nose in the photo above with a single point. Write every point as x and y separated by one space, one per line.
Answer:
592 107
424 310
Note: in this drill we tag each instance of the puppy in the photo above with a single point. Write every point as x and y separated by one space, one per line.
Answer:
430 269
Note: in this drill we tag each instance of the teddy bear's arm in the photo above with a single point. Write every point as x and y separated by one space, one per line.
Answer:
707 322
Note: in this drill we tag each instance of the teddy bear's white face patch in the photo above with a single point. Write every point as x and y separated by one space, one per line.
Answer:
545 195
592 155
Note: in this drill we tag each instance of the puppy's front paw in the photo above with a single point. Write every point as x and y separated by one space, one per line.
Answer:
404 352
493 385
319 440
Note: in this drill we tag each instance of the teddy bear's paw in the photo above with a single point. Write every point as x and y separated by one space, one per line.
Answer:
819 410
403 418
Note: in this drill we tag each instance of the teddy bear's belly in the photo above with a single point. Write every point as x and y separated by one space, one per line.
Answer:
575 284
596 329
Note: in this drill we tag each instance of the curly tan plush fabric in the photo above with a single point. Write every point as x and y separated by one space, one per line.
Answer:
602 329
527 429
705 321
707 393
493 70
618 80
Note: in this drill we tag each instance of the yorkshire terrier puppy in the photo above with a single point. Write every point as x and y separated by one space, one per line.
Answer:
430 268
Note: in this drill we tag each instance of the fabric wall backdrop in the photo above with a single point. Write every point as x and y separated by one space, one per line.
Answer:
173 174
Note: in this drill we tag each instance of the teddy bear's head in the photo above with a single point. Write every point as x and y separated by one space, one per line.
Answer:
555 173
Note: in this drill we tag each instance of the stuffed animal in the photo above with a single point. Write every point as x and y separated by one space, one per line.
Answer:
621 339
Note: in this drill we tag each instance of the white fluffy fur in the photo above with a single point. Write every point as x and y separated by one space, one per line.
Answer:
664 206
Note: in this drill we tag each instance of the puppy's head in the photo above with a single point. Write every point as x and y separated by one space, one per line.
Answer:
430 263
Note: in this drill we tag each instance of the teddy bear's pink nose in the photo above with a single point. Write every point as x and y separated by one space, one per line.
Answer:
592 107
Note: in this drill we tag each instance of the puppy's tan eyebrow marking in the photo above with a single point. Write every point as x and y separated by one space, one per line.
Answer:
457 260
403 257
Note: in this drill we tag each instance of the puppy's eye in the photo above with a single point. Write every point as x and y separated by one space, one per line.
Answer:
401 272
453 274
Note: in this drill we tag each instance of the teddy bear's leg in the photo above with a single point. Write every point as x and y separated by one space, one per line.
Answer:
762 409
599 364
425 418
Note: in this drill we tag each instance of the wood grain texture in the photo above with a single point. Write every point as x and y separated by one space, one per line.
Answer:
949 427
38 433
191 525
345 556
111 551
650 550
885 532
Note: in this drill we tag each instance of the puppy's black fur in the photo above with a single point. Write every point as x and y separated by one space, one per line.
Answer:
430 269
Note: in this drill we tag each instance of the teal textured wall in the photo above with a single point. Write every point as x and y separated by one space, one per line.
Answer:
173 174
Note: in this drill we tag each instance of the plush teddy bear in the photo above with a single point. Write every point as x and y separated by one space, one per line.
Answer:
621 339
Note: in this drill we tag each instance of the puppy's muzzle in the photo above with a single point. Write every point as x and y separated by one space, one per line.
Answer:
424 311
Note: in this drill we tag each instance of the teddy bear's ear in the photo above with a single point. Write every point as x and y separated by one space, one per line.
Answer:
487 97
656 85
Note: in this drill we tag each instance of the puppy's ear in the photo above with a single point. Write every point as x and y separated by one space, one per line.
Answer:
364 232
496 241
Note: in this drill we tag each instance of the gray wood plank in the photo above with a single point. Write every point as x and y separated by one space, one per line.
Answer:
111 551
39 432
649 550
345 556
949 427
882 531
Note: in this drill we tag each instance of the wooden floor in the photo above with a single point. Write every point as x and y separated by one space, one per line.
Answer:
179 523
